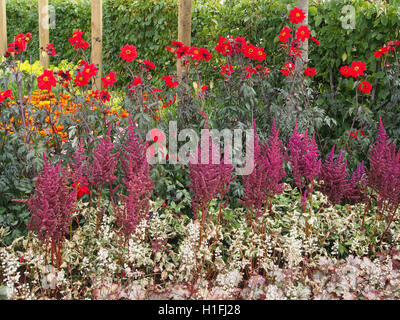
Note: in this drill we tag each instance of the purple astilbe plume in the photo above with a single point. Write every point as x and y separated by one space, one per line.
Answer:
255 183
384 171
303 158
133 153
135 206
264 182
357 184
137 182
334 176
208 179
275 157
104 163
79 163
52 204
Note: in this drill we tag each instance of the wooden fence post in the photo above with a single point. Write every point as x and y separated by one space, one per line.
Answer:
97 38
3 27
184 27
43 32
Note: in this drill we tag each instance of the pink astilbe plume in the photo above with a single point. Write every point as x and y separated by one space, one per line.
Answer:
52 204
255 184
135 206
275 158
304 160
334 176
384 169
104 162
208 179
264 181
357 183
79 164
133 153
137 181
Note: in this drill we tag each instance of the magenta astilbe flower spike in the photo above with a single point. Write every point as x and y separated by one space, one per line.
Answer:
133 153
275 158
79 163
296 147
255 184
208 179
357 184
384 168
135 205
334 176
52 204
104 163
303 158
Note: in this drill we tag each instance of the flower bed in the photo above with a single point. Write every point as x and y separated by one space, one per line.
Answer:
91 209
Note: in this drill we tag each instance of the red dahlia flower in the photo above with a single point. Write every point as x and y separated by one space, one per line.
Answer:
381 51
249 51
285 34
303 33
168 81
358 69
50 50
109 80
81 187
365 87
136 82
224 46
89 70
77 41
345 71
297 15
250 71
128 53
226 70
150 65
259 55
5 94
316 41
310 72
287 69
81 80
46 80
104 96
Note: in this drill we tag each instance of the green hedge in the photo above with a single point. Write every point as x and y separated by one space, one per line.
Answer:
150 25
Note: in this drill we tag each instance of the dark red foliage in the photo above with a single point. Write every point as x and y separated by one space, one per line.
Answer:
52 204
